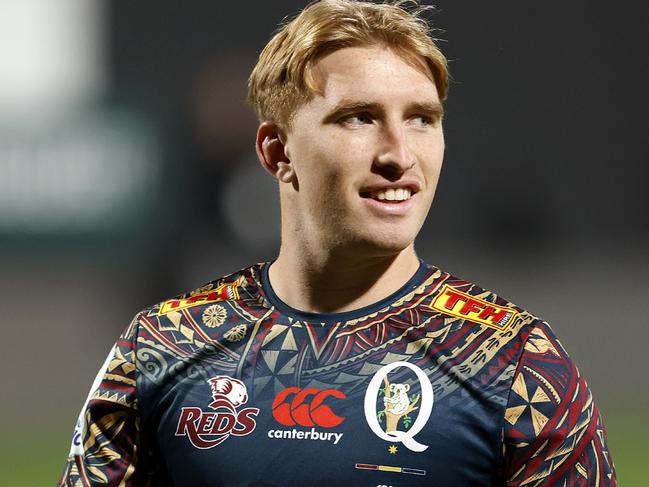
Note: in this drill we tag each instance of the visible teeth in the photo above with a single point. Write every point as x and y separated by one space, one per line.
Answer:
399 194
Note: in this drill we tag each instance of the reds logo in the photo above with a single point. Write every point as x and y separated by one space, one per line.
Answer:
206 429
291 407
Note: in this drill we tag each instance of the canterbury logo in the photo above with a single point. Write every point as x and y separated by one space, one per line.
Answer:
306 407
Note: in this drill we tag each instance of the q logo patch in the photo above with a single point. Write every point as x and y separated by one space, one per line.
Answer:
393 422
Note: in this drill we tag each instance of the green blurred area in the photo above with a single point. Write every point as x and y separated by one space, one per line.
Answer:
35 458
627 439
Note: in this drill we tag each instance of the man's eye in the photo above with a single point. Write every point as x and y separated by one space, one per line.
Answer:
357 119
423 121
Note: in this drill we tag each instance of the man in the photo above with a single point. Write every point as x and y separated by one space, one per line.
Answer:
346 361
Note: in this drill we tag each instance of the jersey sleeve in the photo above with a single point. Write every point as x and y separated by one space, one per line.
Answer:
104 444
553 433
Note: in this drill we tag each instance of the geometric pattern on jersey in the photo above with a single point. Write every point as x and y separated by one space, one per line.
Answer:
553 432
508 393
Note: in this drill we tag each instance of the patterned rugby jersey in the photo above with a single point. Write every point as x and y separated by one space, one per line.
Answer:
440 384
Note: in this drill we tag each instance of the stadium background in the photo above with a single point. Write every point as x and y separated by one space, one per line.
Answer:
127 175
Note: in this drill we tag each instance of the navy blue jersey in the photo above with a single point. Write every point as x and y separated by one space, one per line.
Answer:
440 384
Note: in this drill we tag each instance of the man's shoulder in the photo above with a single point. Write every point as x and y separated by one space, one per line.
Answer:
462 299
207 301
530 339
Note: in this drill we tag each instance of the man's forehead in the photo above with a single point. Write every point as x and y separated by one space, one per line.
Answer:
372 75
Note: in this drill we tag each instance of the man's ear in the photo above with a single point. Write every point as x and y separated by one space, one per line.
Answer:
271 152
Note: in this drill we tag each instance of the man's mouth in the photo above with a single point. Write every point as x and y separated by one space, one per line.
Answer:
395 195
399 194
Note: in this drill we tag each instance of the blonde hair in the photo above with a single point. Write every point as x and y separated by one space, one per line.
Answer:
282 80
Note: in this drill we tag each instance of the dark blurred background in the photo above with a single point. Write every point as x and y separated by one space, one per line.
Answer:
128 174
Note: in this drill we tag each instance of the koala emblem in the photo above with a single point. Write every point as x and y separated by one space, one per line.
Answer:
398 401
227 392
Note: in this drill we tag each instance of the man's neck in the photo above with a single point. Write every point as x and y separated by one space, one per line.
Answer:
328 284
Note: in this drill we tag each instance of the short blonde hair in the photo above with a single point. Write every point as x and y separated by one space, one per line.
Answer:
282 80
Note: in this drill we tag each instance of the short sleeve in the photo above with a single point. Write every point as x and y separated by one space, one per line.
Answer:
553 433
104 444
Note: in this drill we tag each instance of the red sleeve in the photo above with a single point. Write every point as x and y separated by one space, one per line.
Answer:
553 433
103 450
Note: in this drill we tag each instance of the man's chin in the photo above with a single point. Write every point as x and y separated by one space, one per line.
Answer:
383 245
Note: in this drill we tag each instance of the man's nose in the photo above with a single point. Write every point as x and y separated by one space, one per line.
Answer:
394 150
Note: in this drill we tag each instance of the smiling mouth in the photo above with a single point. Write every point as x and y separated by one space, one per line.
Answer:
390 195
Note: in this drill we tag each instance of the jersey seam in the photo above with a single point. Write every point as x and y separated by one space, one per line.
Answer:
501 452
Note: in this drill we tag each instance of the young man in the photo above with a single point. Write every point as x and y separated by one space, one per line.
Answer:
346 361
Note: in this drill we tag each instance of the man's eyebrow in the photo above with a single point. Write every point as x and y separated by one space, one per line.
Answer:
350 106
433 108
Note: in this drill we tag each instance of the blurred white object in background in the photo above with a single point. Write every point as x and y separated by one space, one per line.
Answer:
52 55
70 165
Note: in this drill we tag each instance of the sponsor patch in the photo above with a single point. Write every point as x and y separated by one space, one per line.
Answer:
307 407
450 301
207 429
221 293
312 434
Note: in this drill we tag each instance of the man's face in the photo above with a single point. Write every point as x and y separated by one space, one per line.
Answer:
366 155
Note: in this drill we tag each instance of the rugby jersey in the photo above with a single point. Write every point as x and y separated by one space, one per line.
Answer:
440 384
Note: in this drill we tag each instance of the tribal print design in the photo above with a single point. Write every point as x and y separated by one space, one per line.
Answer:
551 431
